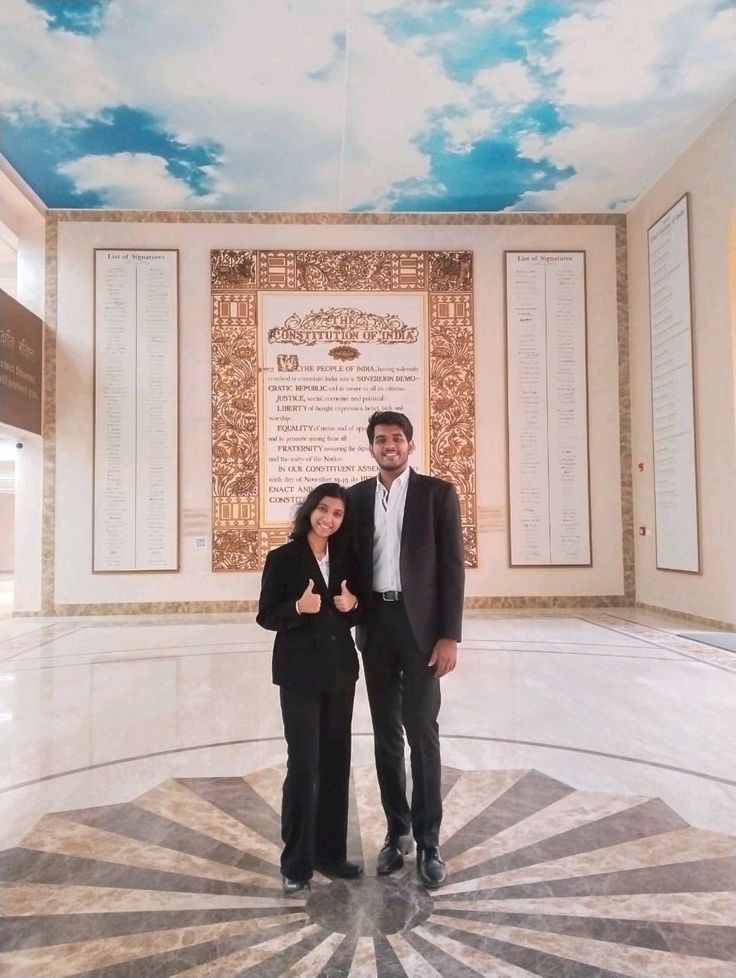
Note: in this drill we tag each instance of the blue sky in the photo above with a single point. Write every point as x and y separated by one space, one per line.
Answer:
441 105
76 16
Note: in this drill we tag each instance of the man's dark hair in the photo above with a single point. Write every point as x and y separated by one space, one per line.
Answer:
389 417
302 526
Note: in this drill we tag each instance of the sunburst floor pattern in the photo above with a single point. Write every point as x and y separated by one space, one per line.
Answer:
545 880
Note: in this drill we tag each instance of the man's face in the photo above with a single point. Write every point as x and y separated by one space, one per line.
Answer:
390 448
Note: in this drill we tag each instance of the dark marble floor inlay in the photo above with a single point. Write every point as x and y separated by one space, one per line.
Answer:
545 880
369 906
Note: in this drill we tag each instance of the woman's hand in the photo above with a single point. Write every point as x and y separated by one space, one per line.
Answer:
310 602
345 600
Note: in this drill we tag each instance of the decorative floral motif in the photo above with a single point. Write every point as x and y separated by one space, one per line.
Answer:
450 271
233 269
234 412
235 550
346 271
452 406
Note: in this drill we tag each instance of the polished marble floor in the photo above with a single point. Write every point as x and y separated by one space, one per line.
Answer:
590 807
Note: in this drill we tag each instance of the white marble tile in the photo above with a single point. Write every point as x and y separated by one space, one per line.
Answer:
104 709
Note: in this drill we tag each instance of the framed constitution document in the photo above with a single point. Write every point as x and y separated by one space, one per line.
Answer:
305 346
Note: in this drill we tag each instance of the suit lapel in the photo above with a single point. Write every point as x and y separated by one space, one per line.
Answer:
368 502
413 518
336 569
310 569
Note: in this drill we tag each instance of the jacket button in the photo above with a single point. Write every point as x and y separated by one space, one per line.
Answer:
333 638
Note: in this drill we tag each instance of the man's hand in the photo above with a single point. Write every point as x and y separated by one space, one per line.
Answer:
444 656
345 600
310 602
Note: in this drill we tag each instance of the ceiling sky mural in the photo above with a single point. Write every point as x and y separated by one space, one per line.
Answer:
365 105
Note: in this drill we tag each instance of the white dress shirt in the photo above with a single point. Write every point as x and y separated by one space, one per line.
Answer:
388 517
324 565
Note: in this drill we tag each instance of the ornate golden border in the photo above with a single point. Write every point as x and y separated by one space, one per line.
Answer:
445 277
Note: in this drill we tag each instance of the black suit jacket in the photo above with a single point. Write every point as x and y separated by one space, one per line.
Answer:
432 563
311 652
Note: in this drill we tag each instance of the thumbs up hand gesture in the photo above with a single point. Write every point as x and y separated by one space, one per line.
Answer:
310 602
345 600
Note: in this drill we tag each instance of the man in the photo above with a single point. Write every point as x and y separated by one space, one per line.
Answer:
409 541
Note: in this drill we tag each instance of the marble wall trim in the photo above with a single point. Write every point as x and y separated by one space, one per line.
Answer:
688 648
474 218
508 219
624 415
204 607
566 748
48 524
724 626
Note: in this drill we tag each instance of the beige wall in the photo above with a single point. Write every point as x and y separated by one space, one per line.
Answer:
7 536
24 215
74 582
707 172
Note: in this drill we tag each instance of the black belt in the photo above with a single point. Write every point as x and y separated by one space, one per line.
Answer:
388 595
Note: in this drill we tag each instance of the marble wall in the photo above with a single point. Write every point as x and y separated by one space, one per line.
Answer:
69 587
707 173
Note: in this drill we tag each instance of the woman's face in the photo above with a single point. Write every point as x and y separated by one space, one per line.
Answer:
327 516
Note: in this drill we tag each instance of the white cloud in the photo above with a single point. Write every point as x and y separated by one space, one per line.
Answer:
240 77
618 52
615 164
636 83
486 103
463 131
493 11
265 82
710 60
611 40
507 83
133 180
395 89
49 74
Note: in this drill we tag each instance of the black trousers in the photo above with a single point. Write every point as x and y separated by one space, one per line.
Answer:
314 809
404 695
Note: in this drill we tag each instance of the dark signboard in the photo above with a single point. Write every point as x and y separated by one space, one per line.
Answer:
21 365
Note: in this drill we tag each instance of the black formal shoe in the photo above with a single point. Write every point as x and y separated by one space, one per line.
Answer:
431 867
344 869
391 857
294 887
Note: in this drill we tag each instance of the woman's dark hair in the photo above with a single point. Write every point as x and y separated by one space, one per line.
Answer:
302 526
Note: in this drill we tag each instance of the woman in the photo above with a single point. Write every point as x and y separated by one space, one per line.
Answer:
307 599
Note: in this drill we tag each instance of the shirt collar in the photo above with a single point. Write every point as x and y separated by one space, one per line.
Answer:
399 482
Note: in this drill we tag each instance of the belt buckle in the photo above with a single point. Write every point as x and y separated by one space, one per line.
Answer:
390 595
